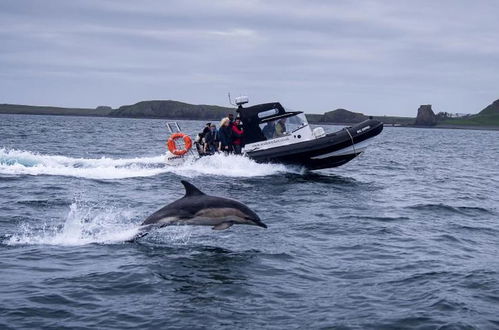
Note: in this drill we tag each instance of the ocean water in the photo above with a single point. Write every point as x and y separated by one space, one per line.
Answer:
404 237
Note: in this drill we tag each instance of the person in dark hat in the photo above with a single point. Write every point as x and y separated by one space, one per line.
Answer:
231 119
200 139
206 128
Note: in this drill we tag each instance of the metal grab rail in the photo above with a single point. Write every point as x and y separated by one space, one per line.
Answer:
173 127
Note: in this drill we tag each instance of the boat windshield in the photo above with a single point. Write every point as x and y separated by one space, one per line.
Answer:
284 126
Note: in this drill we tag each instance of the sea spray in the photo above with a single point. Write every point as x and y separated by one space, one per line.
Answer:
83 224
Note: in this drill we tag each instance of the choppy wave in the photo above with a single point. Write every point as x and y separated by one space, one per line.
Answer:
20 162
451 209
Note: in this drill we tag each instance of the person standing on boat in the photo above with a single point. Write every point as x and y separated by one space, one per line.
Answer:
237 136
231 118
211 140
225 136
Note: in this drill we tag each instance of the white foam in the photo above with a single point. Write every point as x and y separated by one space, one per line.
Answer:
228 165
20 162
83 225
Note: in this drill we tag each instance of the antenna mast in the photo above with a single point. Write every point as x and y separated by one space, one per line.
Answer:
230 100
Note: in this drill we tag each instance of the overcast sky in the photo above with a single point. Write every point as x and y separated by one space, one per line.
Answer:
375 57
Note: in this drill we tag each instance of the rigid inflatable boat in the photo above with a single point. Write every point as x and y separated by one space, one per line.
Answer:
274 135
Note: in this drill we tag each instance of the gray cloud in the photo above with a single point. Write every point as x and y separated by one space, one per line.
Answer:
378 57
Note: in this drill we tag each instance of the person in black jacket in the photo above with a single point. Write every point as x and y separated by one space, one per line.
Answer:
225 136
206 129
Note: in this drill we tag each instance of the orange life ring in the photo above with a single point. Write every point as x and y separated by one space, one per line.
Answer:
172 146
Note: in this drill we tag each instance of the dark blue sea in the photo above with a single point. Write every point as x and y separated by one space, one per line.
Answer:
405 236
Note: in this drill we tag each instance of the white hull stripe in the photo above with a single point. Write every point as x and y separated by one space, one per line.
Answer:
350 150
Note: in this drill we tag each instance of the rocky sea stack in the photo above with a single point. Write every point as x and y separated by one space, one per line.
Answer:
426 116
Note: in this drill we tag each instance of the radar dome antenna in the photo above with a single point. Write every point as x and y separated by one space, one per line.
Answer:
240 100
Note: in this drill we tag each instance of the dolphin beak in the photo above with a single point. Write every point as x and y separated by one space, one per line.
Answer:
259 223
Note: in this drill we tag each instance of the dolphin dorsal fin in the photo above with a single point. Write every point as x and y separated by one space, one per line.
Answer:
191 190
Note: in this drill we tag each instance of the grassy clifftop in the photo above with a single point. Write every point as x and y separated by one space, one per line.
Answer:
478 120
171 109
342 116
46 110
146 109
488 117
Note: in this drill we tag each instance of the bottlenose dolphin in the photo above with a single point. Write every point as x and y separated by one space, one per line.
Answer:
198 209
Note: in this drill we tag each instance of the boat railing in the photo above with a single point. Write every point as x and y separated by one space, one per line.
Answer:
173 127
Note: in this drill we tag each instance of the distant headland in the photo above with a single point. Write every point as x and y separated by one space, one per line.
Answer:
488 118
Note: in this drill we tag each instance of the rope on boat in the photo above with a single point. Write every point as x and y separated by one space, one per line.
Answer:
351 138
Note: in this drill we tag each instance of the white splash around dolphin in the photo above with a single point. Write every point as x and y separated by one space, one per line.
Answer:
83 224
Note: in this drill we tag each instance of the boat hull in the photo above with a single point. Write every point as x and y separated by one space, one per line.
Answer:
331 150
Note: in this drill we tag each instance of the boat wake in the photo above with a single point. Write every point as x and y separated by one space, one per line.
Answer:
20 162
